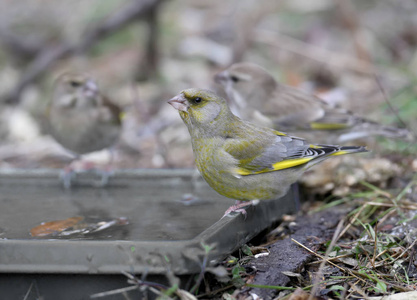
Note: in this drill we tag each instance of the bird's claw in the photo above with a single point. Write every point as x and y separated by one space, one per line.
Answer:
105 177
239 208
68 173
66 176
234 209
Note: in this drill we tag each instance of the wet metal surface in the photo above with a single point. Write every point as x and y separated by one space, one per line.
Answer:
152 207
160 231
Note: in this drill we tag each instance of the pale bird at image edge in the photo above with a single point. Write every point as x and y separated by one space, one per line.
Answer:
256 96
241 160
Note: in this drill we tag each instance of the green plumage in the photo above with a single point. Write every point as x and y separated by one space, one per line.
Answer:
239 159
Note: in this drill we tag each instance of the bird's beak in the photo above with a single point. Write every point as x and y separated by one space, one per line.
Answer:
179 102
90 88
220 77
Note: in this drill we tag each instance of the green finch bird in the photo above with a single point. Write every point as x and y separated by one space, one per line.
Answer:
256 96
81 119
241 160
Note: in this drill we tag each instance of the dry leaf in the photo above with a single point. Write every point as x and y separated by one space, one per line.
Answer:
47 228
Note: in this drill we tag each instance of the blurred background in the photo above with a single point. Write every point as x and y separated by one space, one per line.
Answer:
143 52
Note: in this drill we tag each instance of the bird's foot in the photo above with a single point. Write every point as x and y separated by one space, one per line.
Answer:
105 176
239 207
66 176
69 172
104 173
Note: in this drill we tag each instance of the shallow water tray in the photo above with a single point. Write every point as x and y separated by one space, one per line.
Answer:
136 224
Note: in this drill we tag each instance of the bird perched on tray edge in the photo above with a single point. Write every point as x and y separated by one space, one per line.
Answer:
81 119
241 160
258 97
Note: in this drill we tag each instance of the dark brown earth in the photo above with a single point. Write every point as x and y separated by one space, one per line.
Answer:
285 255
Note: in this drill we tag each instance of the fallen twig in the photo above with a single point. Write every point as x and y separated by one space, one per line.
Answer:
328 261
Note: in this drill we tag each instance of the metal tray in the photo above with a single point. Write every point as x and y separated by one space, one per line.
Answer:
161 232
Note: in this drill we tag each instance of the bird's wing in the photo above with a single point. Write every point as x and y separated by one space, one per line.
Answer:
334 119
280 151
292 108
116 114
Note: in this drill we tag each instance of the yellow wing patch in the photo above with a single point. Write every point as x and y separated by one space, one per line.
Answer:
285 164
279 133
341 152
315 146
327 126
289 163
122 115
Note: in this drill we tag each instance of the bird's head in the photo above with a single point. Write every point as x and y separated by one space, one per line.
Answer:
201 109
76 90
246 82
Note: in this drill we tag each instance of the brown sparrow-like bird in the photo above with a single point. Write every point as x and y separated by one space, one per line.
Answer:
256 96
81 119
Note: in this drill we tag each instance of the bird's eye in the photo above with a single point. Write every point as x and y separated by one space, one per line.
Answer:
234 78
75 83
197 100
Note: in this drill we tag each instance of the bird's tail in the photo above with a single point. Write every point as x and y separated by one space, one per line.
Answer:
349 149
366 128
330 151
